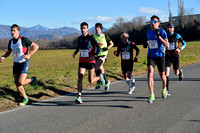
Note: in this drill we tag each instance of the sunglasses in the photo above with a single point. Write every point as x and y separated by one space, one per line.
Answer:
124 36
169 27
153 21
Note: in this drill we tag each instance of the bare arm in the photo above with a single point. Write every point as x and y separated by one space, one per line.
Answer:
34 49
164 41
5 55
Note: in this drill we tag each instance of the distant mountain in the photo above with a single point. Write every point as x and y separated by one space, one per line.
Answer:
92 30
39 27
38 32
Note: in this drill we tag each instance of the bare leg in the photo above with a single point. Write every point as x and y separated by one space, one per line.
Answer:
150 79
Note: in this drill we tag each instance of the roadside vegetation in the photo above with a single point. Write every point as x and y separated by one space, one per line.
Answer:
56 71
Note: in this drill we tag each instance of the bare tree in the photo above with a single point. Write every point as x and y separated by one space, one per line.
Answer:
181 13
170 13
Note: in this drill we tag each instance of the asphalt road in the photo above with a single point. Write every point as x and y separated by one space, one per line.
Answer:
115 111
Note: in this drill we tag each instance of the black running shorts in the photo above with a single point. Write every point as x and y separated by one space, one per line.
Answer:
160 62
172 59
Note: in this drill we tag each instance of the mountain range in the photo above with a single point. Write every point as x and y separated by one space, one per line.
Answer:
40 32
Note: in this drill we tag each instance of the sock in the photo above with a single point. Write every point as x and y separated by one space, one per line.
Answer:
167 83
105 78
32 80
26 99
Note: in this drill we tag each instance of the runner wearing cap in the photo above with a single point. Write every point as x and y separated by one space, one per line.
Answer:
86 45
105 44
126 49
157 41
172 54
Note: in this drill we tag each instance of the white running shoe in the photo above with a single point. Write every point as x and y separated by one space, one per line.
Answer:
132 86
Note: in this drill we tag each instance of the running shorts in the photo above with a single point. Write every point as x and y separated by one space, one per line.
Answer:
159 61
172 59
19 68
86 65
126 65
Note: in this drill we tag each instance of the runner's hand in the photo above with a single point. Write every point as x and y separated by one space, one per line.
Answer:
2 58
178 50
135 60
105 49
73 55
157 33
145 45
27 56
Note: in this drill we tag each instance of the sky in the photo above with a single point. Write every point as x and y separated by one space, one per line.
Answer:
70 13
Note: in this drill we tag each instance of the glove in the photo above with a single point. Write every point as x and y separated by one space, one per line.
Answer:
157 33
145 45
136 59
105 49
116 53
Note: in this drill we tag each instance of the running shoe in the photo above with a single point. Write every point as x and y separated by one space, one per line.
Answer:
23 103
78 100
102 80
180 74
132 85
107 87
164 93
98 85
168 93
34 82
151 98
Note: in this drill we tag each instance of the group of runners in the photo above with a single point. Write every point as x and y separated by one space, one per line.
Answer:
163 50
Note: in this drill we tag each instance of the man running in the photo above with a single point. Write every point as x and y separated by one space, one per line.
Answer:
103 40
86 46
172 54
157 41
126 49
19 46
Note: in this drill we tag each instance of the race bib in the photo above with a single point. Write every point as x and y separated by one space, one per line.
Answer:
126 55
171 46
84 53
153 44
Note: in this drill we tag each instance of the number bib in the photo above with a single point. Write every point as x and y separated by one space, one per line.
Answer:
126 55
84 53
171 46
153 44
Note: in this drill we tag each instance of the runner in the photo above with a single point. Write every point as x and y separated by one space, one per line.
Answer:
19 45
157 40
103 40
87 45
172 54
126 49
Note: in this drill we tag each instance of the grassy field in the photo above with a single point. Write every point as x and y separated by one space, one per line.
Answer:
56 71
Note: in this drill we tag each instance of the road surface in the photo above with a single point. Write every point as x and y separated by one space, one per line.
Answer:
115 111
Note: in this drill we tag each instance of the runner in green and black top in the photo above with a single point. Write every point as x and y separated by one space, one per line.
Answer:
172 54
126 49
19 46
86 45
105 43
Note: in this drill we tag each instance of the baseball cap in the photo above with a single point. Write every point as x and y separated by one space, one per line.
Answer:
170 25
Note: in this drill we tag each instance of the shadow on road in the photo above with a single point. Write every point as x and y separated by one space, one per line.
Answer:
171 79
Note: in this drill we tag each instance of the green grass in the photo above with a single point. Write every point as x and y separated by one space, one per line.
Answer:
56 71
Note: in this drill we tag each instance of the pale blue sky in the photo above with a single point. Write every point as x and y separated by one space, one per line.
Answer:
60 13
